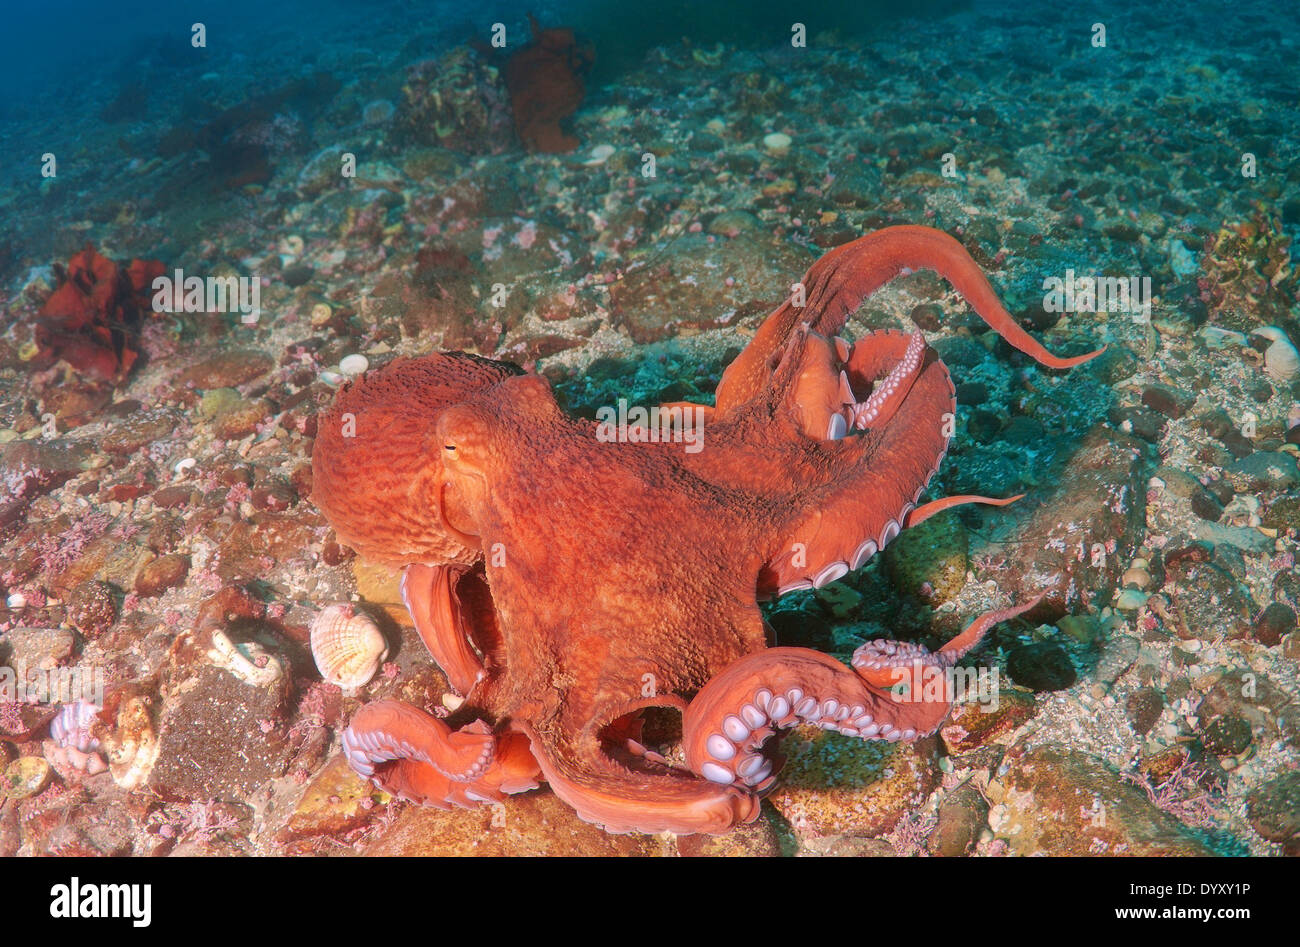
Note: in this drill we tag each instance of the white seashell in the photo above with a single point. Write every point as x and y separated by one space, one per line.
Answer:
354 364
248 661
347 645
184 466
1220 338
599 155
777 142
1281 360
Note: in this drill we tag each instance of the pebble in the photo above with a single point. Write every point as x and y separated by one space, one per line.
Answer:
1274 808
92 608
777 142
138 431
1136 578
1226 735
297 274
353 364
1274 622
1082 628
228 369
1130 600
161 574
1143 708
1114 663
24 777
1171 402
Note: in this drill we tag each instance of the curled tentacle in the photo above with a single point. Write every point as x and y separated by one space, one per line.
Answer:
414 755
837 283
623 799
894 691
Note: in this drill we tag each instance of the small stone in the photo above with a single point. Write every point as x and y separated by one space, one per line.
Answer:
929 316
139 431
217 401
1140 422
1226 735
1291 646
24 777
599 155
1130 600
1082 628
1216 423
1206 506
92 608
732 223
241 419
838 785
331 805
1042 666
962 817
377 112
973 725
1143 708
1118 656
529 824
161 574
297 274
777 142
1274 808
1282 513
1275 621
173 497
228 369
1135 578
1171 402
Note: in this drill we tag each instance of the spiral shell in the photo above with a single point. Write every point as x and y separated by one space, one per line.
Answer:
347 645
1281 360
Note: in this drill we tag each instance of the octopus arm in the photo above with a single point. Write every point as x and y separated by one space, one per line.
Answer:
837 283
894 691
623 799
415 756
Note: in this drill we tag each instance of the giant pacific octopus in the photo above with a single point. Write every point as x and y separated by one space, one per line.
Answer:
92 319
566 584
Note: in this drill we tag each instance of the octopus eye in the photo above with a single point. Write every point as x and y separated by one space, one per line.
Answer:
450 447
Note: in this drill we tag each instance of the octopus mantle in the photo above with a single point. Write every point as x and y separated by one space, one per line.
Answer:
566 581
